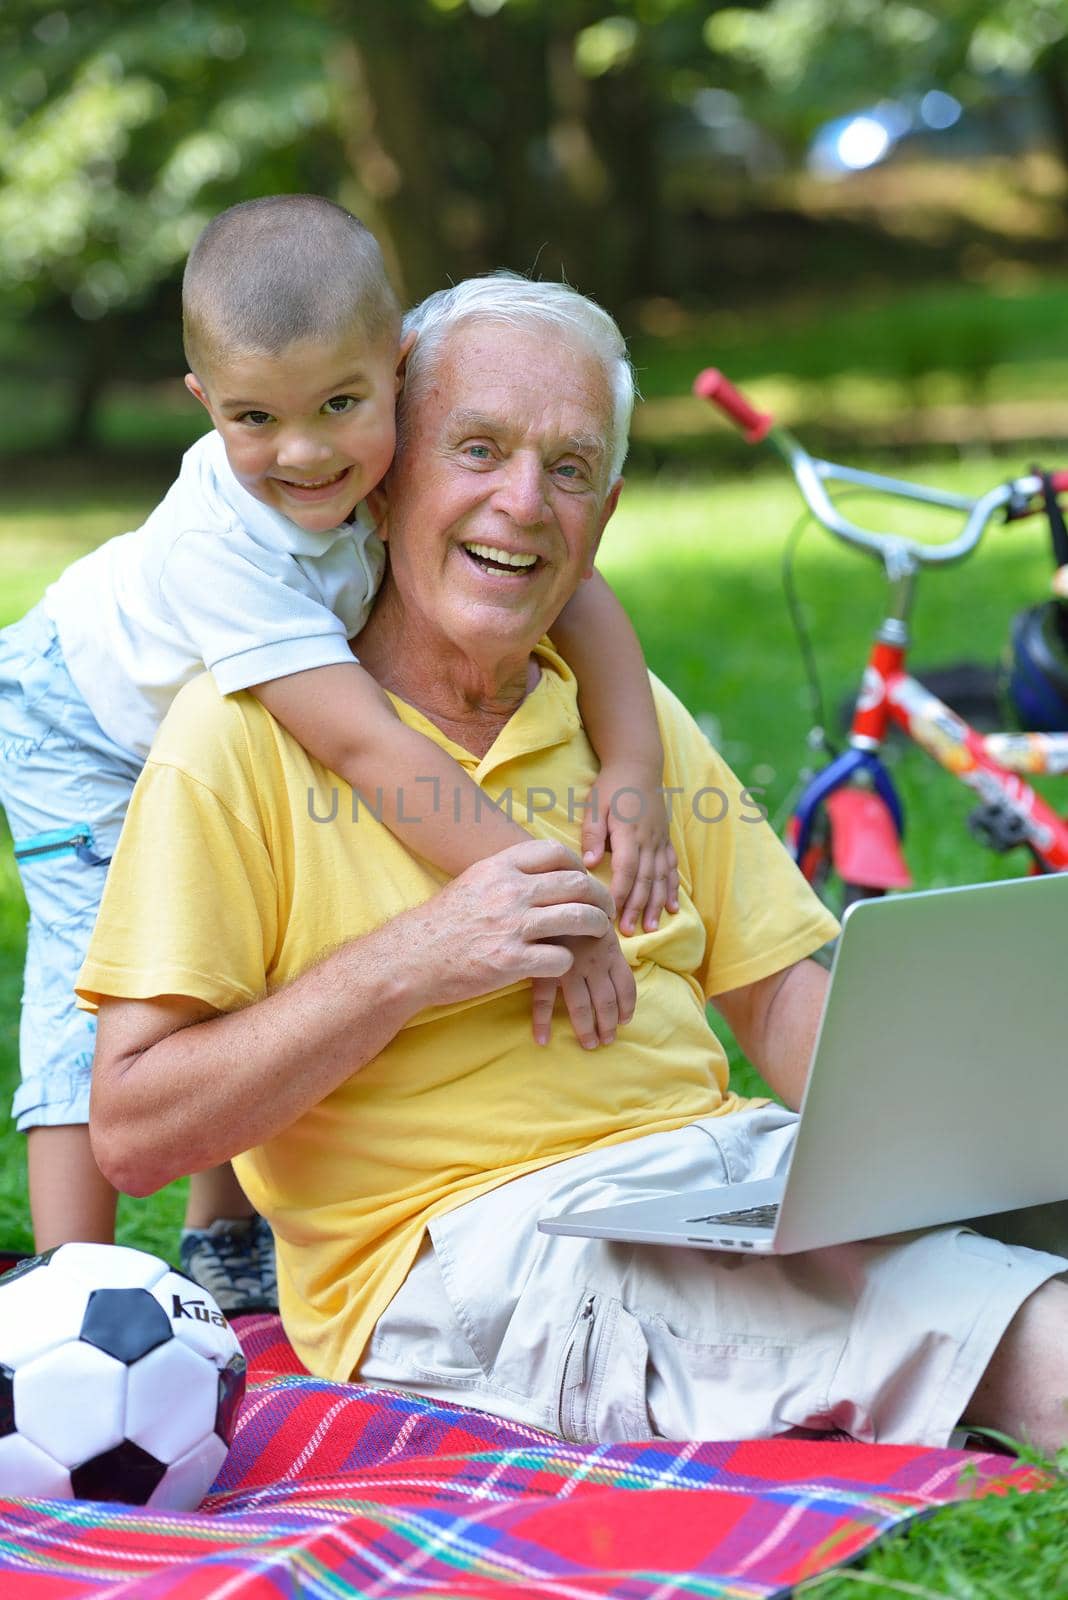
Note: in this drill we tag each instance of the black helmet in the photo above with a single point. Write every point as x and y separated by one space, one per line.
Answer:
1038 669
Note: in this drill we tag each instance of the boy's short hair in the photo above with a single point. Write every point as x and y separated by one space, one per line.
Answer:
281 268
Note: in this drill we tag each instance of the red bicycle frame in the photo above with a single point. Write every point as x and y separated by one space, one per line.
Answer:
989 764
855 790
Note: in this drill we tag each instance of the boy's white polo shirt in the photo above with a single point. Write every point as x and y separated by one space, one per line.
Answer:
213 579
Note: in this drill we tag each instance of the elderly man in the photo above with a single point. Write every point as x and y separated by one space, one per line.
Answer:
280 982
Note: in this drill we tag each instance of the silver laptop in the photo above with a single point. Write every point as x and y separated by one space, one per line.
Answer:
938 1089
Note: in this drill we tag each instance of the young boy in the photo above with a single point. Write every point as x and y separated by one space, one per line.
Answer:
256 565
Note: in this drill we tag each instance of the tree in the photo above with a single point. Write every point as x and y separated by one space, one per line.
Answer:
816 58
123 129
474 132
511 132
470 134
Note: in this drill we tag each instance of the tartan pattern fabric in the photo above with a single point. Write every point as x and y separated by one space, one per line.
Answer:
335 1489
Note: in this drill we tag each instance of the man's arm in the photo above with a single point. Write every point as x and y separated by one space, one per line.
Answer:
775 1020
178 1087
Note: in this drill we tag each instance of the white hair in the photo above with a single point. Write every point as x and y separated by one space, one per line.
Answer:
517 302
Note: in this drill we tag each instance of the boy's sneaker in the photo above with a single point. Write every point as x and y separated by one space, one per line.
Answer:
233 1260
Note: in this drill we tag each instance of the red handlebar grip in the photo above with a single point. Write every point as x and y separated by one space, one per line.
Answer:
1059 482
713 386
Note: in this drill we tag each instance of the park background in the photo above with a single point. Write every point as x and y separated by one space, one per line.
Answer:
857 208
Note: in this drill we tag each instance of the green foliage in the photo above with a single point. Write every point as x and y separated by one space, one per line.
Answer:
819 57
469 133
124 126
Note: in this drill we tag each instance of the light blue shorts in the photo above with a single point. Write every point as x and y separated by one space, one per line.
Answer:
65 786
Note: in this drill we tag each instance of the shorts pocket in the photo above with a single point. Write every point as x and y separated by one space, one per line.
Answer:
76 840
601 1378
62 873
735 1386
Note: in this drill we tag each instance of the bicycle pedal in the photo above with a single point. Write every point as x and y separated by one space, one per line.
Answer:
997 826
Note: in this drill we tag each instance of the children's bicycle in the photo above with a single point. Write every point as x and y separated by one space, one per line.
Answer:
848 822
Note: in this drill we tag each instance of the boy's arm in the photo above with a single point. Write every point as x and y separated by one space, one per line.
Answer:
345 720
597 639
594 634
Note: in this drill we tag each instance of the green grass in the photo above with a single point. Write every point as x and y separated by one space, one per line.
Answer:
696 561
1011 1547
942 367
949 328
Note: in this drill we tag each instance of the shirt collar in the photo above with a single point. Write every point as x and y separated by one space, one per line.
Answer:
547 716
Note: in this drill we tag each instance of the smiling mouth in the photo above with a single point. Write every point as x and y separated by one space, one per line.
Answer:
309 485
492 559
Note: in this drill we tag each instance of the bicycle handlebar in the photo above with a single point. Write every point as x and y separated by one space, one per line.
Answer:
713 386
811 473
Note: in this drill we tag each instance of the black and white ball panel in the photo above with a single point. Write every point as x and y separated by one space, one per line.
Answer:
125 1323
120 1379
72 1402
125 1472
41 1310
30 1472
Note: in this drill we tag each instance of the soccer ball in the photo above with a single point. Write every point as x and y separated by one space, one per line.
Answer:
119 1380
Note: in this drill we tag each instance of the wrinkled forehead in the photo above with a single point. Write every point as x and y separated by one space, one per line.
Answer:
528 377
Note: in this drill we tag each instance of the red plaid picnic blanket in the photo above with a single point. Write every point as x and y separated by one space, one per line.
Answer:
333 1489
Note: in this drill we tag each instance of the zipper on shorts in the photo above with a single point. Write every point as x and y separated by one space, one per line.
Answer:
77 840
575 1359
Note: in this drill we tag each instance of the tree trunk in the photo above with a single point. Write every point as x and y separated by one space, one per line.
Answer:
1053 76
391 140
584 190
516 220
90 383
625 120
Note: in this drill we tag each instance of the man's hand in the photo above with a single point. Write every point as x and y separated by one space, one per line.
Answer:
627 814
599 992
504 919
178 1087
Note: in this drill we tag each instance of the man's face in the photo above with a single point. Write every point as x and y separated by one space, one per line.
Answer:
308 432
499 497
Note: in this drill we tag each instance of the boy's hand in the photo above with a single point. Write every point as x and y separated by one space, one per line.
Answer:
627 815
599 992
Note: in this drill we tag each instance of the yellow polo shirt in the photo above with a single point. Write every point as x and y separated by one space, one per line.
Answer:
242 863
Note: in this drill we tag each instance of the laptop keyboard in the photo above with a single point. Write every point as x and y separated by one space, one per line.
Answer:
752 1217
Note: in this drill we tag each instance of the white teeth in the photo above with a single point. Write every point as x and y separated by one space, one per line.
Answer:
312 483
506 558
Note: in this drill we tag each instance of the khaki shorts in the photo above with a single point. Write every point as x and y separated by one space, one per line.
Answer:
597 1341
